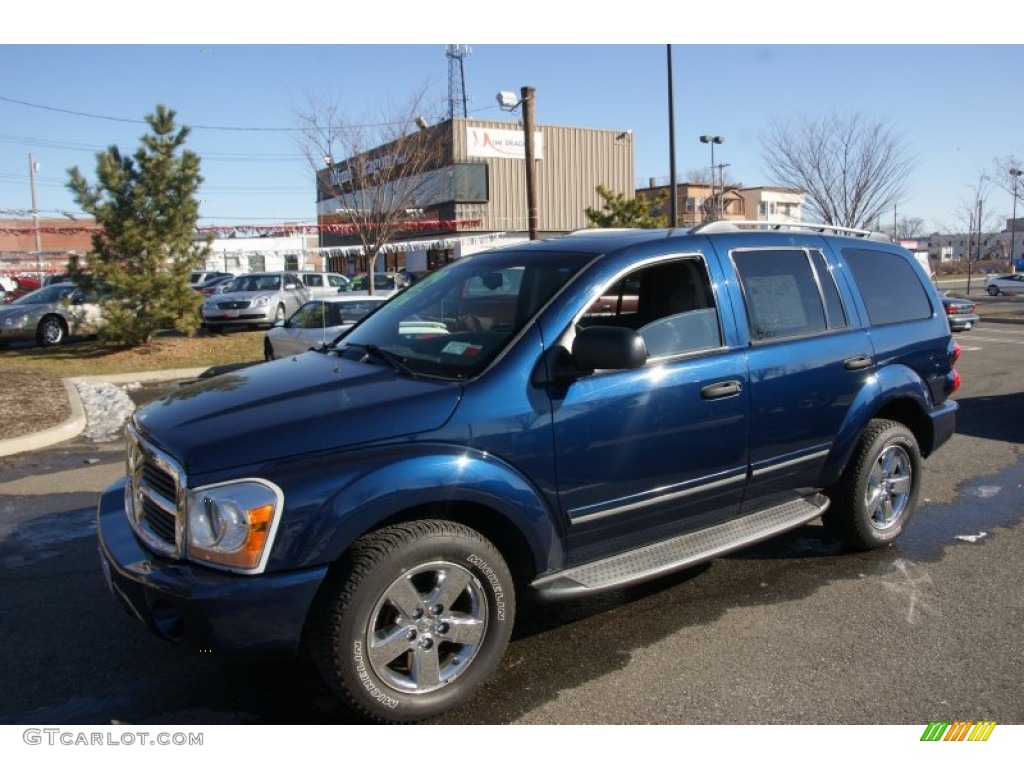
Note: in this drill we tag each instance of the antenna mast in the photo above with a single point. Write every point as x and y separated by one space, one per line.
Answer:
457 79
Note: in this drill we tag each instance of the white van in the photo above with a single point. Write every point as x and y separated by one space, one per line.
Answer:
321 284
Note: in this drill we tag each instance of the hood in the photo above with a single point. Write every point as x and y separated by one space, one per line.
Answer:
298 405
8 310
241 295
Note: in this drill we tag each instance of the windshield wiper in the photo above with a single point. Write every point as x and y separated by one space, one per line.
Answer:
395 361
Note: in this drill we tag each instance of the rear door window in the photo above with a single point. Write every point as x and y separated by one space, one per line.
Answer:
889 285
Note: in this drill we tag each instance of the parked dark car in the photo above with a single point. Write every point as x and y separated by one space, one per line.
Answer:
382 502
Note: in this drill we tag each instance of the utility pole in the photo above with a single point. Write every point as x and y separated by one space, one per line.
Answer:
1015 173
35 216
529 98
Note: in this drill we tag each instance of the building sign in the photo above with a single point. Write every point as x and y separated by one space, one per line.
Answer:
492 142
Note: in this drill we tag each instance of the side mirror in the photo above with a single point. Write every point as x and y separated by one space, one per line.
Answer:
608 347
600 347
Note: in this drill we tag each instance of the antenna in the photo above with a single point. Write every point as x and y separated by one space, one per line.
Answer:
457 79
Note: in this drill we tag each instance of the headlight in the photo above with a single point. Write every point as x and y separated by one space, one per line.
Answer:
232 525
262 301
13 320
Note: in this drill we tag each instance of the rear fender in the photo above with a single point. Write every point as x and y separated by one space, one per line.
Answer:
895 389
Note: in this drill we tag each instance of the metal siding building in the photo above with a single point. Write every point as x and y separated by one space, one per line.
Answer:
574 162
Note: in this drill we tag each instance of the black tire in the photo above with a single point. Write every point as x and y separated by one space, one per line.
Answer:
993 290
280 314
392 642
873 502
51 331
268 350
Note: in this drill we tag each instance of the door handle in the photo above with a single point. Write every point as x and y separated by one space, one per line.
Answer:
858 363
721 389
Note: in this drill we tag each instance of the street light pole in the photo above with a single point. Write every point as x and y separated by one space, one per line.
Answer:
1015 173
35 216
529 98
507 101
673 220
712 140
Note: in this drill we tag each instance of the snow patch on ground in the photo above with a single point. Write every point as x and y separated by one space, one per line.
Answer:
107 408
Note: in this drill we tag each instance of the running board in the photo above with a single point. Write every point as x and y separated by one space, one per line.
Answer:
671 555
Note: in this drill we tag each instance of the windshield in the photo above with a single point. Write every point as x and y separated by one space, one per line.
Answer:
51 294
455 321
254 283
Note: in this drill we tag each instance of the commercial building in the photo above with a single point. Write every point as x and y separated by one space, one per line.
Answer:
461 187
699 202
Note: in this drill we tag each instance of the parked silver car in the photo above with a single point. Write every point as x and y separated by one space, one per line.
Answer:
50 315
317 322
260 298
1007 285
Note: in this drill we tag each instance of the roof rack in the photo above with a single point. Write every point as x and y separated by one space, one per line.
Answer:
598 231
775 226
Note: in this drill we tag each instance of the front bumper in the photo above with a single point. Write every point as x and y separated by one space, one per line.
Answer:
200 608
17 333
262 316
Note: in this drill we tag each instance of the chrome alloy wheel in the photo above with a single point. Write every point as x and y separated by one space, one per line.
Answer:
427 627
889 487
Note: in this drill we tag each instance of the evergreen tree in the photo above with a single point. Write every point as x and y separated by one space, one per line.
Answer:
636 212
146 209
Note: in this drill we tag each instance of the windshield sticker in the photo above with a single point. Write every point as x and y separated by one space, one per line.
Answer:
462 348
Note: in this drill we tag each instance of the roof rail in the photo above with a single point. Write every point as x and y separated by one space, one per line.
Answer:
775 226
598 231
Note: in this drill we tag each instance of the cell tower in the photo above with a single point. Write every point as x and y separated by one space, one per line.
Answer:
457 79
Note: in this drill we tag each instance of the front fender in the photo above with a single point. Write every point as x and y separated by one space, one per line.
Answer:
387 482
886 386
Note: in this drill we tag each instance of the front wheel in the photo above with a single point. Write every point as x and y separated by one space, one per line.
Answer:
268 350
877 494
993 290
51 331
414 620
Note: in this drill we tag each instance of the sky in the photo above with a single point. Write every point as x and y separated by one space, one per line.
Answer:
957 107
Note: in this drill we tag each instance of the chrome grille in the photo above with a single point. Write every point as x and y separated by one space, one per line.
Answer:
155 496
233 304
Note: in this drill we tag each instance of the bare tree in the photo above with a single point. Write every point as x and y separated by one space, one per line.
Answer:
380 174
1002 178
851 168
909 228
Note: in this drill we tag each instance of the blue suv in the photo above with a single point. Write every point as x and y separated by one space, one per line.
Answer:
555 419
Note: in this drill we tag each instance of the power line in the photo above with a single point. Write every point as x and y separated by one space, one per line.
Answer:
135 121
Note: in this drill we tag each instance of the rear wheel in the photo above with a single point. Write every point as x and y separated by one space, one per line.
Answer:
279 315
878 493
51 331
268 350
418 616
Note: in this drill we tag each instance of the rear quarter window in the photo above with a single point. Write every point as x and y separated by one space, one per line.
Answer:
889 285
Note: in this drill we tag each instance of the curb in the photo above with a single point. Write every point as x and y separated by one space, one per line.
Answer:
74 425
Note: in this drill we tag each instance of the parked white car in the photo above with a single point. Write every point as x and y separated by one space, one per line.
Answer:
321 284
